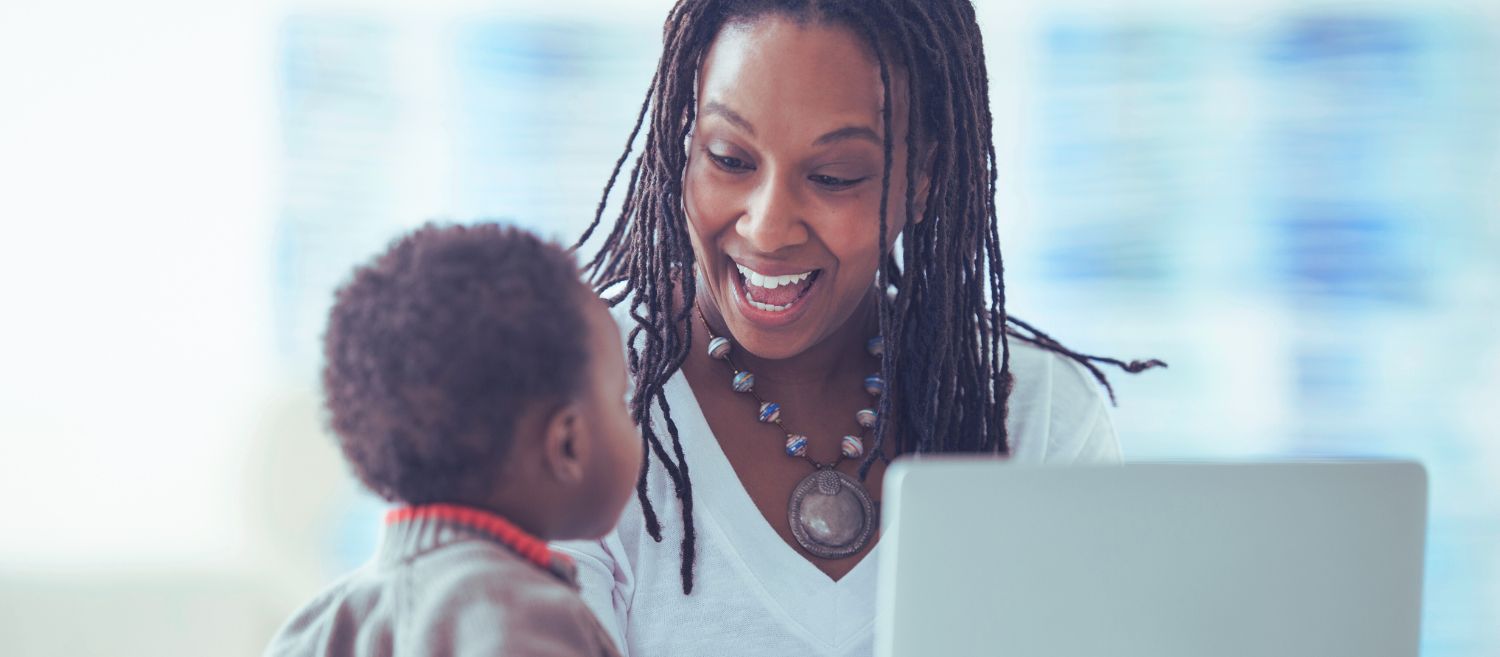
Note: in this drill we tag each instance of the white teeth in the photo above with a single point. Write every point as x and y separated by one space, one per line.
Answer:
765 306
771 282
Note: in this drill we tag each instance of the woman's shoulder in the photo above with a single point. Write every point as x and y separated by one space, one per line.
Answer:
1042 372
1057 412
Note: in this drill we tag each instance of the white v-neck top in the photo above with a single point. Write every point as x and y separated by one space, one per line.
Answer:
753 595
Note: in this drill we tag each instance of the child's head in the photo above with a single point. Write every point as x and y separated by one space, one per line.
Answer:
469 365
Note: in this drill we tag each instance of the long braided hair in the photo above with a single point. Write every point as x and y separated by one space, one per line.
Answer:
947 370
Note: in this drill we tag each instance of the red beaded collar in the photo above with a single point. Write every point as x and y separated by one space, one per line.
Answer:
530 547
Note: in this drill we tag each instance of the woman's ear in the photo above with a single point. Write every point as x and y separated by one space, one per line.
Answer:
924 181
565 444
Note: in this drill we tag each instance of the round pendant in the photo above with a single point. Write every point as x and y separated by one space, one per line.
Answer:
831 514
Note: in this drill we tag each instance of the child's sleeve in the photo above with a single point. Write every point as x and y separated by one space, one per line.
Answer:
605 581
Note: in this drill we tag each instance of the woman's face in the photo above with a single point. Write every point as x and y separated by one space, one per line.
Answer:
783 181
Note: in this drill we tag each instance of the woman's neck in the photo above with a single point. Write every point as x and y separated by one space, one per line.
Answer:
827 362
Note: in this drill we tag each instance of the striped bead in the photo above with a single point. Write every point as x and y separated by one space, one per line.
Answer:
770 412
852 447
865 417
719 348
876 346
743 382
796 445
874 385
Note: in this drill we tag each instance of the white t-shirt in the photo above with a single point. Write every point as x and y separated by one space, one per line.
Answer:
753 595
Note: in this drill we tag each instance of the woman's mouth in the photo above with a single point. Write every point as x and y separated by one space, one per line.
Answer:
774 294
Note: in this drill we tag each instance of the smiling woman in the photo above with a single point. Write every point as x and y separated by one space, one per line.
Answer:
772 193
808 253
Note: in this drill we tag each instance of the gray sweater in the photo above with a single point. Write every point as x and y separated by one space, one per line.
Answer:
450 581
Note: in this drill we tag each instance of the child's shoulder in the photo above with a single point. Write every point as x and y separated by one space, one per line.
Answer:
490 573
500 604
330 617
470 597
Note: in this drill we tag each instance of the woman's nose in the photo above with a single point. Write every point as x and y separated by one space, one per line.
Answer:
773 218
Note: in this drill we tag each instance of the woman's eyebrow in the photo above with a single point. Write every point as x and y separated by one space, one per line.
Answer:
850 132
713 107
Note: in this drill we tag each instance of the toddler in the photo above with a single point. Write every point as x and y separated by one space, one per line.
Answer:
473 379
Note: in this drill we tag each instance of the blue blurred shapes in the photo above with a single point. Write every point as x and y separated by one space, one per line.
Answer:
1347 249
1294 208
541 109
1118 120
1350 98
340 114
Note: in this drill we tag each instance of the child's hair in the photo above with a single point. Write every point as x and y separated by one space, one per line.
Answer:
437 346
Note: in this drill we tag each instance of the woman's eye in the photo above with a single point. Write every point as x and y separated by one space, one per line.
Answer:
835 183
730 163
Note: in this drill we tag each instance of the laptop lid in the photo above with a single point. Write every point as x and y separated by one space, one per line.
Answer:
984 557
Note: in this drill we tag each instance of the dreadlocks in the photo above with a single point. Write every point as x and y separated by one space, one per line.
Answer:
947 383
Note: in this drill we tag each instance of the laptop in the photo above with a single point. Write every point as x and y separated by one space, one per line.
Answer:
1317 559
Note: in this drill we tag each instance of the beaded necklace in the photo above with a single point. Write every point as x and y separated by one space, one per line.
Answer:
831 514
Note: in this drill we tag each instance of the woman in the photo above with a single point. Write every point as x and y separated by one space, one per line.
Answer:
777 368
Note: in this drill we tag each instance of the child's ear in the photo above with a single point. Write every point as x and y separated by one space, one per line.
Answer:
565 445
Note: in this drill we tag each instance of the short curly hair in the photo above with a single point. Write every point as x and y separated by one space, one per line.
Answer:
437 346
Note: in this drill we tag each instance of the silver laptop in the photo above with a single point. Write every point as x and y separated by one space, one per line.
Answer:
1319 559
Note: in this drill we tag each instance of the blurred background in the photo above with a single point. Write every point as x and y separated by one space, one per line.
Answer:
1296 204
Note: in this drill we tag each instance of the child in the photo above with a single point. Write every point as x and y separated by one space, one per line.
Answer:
473 378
